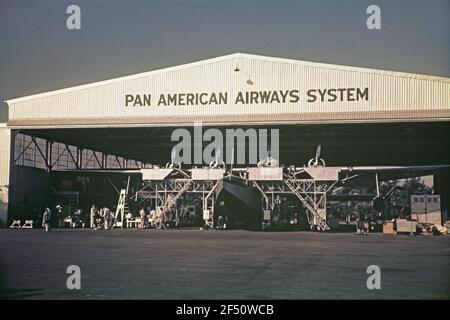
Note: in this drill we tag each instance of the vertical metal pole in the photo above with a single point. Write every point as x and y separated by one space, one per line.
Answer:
50 151
23 144
81 158
203 197
46 155
157 195
378 187
137 190
128 184
77 161
212 210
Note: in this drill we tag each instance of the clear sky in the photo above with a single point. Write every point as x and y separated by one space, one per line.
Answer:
120 37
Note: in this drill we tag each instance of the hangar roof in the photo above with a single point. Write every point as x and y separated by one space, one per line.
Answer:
239 88
227 57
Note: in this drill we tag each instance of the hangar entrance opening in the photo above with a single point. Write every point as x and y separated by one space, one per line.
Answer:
78 167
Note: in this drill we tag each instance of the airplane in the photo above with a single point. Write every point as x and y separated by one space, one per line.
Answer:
238 196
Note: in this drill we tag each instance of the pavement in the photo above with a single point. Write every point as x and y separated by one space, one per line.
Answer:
194 264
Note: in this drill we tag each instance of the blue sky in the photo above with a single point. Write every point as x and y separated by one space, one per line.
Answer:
38 53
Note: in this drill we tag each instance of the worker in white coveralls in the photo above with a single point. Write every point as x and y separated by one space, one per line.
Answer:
92 216
46 219
108 218
153 218
142 216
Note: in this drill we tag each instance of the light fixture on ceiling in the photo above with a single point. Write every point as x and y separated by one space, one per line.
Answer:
249 81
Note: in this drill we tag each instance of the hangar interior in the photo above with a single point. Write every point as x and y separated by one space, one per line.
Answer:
68 145
53 166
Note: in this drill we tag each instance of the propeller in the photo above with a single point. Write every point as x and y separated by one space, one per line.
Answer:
217 162
317 161
172 163
172 155
269 161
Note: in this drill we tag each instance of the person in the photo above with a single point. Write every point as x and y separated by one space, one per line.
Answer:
98 219
366 227
220 222
49 213
112 217
60 215
108 218
161 220
142 216
77 221
93 213
153 218
46 220
348 218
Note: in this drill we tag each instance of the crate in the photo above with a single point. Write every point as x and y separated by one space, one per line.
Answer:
404 225
429 218
433 203
418 204
388 227
423 203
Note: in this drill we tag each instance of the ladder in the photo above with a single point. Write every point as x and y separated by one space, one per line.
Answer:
314 218
170 200
122 207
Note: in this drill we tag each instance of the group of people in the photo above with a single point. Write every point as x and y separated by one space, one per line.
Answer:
157 220
102 218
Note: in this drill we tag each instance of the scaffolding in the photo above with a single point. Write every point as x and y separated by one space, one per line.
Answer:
169 185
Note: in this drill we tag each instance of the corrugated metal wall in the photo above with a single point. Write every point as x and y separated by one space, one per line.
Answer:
388 91
5 139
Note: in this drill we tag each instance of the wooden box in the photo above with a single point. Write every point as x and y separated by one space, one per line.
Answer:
404 225
388 227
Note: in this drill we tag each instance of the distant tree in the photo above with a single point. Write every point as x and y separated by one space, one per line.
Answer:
416 186
398 199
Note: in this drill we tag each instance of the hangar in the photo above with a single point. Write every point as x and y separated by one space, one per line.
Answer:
359 116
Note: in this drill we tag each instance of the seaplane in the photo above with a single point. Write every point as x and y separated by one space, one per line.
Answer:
245 197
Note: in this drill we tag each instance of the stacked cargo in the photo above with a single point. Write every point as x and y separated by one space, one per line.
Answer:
425 217
426 209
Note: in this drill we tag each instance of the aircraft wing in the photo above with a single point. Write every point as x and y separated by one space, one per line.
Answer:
396 172
108 171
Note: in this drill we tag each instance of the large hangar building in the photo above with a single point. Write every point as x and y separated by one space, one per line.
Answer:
360 117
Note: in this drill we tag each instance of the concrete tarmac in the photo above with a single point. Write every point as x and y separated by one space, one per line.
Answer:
194 264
